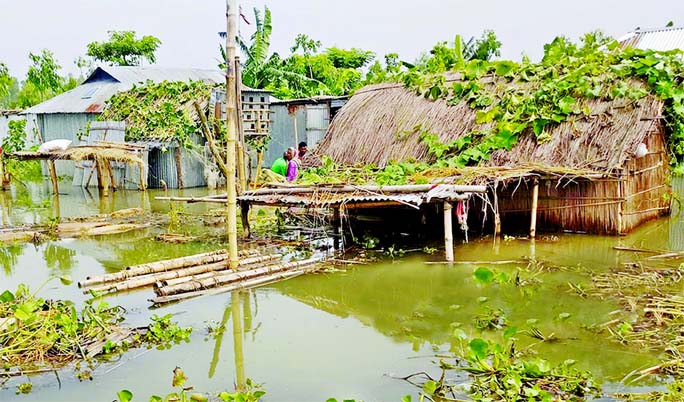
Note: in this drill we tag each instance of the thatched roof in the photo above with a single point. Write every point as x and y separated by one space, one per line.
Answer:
380 123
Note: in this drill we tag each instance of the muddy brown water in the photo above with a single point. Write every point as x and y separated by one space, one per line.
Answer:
341 334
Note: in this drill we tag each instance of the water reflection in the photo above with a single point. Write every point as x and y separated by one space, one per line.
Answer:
59 258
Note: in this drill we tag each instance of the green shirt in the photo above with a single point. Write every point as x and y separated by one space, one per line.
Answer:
280 166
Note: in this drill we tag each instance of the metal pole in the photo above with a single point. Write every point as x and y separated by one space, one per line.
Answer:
231 128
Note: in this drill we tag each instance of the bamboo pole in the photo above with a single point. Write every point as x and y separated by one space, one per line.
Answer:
448 233
234 286
296 134
111 175
143 182
533 217
160 266
232 277
147 280
240 131
260 160
188 276
231 210
53 176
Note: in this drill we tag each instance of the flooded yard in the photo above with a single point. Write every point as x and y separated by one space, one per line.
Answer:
351 332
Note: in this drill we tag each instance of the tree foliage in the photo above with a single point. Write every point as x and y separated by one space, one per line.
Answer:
124 49
7 82
43 80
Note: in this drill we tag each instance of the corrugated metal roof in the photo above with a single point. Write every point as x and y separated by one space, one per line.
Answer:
77 99
662 39
137 75
443 192
105 82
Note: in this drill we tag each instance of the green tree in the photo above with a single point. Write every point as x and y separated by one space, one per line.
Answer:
43 80
124 49
444 57
7 86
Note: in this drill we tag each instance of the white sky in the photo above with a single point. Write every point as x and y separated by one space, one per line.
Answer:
188 29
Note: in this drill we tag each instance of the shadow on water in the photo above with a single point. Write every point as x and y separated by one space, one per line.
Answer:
333 334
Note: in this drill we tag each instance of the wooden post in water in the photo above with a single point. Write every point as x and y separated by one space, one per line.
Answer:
231 128
448 233
53 176
244 214
497 216
533 218
337 225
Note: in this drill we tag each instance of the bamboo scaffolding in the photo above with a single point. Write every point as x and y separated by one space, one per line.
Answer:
151 279
160 266
233 277
260 281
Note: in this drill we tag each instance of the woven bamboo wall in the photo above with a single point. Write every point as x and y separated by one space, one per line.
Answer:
594 206
647 184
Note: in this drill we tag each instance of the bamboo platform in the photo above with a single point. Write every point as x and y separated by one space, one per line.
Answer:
342 197
197 275
102 153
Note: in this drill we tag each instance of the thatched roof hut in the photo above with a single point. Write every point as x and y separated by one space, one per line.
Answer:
380 123
610 189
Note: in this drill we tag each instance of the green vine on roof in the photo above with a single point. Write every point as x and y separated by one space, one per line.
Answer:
515 98
161 111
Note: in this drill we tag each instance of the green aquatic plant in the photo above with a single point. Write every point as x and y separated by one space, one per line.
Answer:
252 392
500 372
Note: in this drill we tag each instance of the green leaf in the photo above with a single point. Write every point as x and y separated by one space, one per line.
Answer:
406 398
430 387
479 348
124 395
178 377
510 332
66 280
563 316
199 398
460 334
538 126
156 398
6 296
566 104
483 275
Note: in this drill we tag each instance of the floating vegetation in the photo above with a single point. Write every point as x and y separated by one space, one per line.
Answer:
251 392
500 372
37 333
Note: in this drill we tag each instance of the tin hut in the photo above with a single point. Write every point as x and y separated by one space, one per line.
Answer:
604 172
296 120
67 115
663 39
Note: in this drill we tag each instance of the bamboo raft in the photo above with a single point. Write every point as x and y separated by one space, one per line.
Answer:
197 275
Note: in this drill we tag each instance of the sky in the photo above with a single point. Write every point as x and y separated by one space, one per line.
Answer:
188 29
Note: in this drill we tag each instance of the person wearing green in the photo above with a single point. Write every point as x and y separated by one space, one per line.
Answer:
280 165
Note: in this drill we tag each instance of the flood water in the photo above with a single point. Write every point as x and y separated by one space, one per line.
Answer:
342 334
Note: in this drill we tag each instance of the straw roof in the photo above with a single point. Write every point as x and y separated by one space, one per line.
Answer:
380 123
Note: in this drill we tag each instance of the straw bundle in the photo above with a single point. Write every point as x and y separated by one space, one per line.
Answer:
85 152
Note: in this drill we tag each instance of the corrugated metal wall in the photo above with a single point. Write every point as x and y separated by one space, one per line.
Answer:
317 122
282 130
677 219
162 166
60 126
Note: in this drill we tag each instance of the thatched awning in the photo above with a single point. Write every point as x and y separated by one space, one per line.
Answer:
381 123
